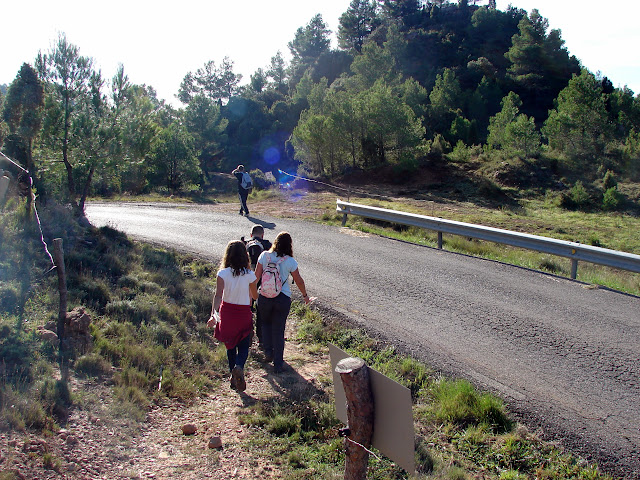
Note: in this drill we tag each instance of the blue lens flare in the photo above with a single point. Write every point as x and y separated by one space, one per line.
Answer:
271 156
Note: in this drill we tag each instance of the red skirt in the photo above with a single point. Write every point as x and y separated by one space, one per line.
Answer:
236 322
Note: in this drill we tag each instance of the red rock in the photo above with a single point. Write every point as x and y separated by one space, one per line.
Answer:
215 442
189 429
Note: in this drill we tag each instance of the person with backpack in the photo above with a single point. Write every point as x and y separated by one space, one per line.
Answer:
231 316
257 244
245 184
255 247
274 299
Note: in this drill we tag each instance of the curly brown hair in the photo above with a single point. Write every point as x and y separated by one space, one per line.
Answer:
283 245
236 257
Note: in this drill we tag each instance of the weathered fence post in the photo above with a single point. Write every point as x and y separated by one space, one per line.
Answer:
360 414
58 255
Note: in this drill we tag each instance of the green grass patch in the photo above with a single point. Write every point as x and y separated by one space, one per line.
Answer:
460 431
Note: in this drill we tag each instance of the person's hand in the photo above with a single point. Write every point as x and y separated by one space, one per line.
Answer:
211 323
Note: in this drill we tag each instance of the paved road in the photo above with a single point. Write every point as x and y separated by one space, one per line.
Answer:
564 356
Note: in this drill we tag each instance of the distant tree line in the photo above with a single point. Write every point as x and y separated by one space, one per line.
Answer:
409 81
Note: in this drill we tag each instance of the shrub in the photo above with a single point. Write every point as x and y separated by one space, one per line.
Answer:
9 297
612 199
439 146
92 364
162 335
261 180
55 396
128 281
90 292
156 258
577 197
609 180
458 402
462 153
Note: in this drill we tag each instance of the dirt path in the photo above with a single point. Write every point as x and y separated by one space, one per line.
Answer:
96 445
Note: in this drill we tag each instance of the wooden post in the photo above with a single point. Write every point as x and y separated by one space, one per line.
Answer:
4 184
58 255
360 414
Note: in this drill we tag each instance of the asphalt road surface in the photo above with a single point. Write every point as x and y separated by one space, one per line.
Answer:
563 355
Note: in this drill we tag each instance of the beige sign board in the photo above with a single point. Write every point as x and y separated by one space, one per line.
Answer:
393 432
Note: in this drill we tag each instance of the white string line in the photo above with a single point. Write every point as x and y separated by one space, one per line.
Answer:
11 161
35 210
348 190
311 180
363 447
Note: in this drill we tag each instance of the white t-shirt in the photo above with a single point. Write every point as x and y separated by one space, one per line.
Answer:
236 289
286 267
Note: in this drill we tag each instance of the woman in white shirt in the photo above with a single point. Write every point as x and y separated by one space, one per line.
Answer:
236 285
274 311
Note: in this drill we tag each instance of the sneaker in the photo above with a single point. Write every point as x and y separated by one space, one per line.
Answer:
232 382
237 374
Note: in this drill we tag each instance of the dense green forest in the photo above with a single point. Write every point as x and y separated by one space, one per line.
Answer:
410 83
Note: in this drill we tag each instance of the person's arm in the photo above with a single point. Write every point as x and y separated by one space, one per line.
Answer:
300 283
258 270
217 300
253 289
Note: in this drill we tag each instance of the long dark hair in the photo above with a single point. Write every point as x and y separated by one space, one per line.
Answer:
236 257
283 245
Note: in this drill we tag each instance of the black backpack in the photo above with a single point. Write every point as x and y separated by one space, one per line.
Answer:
255 248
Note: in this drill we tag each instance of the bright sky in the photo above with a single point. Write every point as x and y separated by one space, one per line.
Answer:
159 42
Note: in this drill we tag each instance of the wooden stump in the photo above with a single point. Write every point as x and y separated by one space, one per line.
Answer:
360 414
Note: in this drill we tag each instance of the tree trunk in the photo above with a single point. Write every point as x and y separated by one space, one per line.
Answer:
58 255
85 190
360 414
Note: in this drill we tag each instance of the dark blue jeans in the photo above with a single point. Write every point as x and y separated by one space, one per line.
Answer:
243 194
239 354
273 316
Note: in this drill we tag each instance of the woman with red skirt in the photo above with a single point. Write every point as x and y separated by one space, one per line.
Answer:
231 316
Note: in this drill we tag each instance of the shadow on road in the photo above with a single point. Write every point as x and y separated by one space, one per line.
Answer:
265 224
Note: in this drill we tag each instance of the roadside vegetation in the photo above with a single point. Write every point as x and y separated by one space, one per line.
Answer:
147 305
535 216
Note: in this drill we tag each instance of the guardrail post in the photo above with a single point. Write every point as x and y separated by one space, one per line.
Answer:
439 240
574 268
354 374
344 219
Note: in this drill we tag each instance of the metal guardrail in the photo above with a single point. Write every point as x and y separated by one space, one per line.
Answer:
572 250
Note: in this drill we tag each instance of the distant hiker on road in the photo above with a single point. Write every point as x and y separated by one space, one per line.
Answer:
231 316
274 301
245 184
